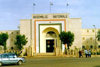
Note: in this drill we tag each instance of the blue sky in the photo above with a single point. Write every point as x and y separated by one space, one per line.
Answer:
11 11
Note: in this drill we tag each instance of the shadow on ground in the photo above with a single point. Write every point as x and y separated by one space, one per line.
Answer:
97 66
9 65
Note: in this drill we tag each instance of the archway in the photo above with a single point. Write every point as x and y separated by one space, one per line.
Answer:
51 39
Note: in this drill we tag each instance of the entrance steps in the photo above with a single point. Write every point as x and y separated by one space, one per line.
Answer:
45 54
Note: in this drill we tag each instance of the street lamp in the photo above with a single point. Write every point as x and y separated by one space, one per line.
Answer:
95 36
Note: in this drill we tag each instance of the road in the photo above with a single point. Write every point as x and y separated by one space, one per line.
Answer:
59 62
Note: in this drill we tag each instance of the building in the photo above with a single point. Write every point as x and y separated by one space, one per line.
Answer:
89 39
43 32
11 39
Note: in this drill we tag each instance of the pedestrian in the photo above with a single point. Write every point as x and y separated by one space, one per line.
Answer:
86 53
80 53
89 53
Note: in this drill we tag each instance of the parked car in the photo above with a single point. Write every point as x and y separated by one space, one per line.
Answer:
10 58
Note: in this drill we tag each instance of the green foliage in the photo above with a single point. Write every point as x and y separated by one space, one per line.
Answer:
3 39
20 41
98 35
67 38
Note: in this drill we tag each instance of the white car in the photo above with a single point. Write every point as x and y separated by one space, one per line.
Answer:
10 58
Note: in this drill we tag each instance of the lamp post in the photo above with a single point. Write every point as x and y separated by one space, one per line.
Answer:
95 46
31 42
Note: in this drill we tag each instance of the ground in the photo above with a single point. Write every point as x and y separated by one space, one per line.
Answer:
59 62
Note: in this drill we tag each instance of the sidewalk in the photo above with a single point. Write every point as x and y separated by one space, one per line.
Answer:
73 56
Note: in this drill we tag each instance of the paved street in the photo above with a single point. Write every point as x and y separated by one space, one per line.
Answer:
59 62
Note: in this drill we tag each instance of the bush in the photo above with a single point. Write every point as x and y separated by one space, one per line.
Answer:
98 53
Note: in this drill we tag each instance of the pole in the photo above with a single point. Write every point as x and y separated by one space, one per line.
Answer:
95 36
67 7
51 4
31 39
34 8
67 4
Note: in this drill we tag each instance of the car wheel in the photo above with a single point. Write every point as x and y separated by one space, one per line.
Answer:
19 62
0 64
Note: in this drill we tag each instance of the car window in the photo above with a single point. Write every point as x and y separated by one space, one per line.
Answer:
4 56
10 56
0 56
15 56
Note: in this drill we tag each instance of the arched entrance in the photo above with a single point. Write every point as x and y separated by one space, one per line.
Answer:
50 37
50 41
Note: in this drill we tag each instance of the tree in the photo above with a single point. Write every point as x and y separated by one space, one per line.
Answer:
66 38
20 41
3 39
98 35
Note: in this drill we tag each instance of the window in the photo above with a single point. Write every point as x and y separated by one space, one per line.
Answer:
83 38
51 34
92 30
83 47
91 46
4 56
91 38
0 56
87 30
98 46
11 56
12 33
17 32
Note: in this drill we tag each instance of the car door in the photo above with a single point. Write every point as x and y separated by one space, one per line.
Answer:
12 59
5 59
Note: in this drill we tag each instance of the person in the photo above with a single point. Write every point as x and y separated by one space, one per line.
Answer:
89 53
80 53
86 53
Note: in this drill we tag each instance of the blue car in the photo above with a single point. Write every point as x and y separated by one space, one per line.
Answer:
10 58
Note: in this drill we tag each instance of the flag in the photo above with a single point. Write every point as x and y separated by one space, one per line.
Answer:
51 3
34 4
67 4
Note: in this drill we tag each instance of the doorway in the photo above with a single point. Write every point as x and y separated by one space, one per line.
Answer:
50 45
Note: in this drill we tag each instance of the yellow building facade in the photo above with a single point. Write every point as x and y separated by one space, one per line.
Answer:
43 32
89 39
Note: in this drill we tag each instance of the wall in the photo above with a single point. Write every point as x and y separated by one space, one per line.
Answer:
75 26
26 30
88 37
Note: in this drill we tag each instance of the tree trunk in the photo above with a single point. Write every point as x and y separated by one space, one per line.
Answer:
68 47
65 48
4 46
